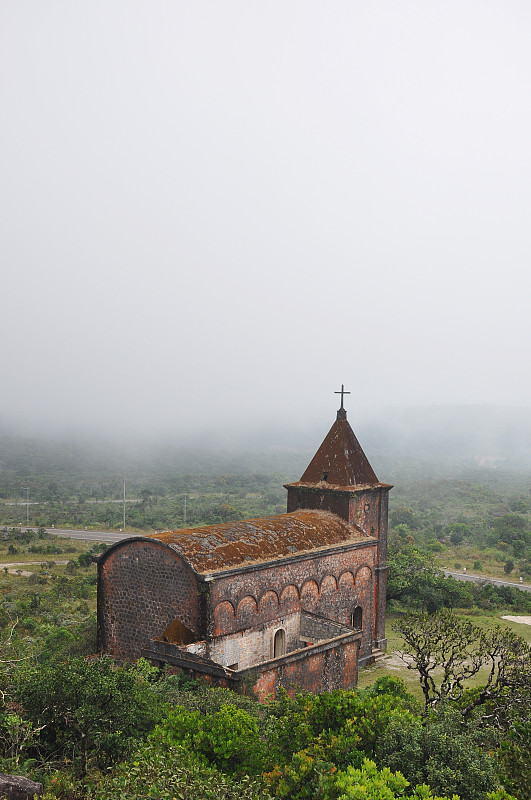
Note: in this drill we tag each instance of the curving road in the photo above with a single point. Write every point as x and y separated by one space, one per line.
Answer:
466 576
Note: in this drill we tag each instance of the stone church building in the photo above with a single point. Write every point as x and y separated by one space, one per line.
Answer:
293 600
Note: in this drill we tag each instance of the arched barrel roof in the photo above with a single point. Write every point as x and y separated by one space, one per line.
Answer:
232 544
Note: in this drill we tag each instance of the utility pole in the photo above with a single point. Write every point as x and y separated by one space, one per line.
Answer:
184 514
124 503
27 488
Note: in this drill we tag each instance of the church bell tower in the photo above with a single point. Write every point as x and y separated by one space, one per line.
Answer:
341 480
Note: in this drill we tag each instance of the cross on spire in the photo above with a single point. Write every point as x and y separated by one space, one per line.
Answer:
342 392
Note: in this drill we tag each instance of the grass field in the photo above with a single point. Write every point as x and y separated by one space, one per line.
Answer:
392 665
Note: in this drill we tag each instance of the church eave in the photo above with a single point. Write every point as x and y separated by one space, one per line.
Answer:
325 486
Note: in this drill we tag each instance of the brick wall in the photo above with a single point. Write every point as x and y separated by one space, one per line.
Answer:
330 585
142 587
319 499
367 509
321 668
315 629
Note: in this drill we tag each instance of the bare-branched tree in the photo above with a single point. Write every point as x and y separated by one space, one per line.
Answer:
447 651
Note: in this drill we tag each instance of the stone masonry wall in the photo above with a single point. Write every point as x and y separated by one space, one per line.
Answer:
368 509
142 588
320 667
320 499
315 629
249 647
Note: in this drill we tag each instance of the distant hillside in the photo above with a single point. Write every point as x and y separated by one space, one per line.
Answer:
402 444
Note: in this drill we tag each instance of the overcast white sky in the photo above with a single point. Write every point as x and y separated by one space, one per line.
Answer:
223 210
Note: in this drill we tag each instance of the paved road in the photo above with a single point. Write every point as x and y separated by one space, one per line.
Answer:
88 536
92 536
462 576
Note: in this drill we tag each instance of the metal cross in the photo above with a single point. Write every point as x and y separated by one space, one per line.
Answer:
342 392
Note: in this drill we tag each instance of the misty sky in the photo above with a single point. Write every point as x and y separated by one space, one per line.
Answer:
215 213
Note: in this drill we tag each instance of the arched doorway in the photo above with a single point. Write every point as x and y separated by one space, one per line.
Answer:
279 644
356 618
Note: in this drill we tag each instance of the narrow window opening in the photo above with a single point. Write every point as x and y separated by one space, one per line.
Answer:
356 618
279 644
325 476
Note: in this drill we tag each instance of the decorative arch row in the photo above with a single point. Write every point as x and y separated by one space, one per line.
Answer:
227 616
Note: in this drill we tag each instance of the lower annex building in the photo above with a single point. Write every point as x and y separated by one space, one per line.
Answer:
292 600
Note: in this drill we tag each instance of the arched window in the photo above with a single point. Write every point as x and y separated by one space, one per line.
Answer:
279 644
356 618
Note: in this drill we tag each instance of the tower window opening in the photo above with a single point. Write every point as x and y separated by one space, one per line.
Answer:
325 476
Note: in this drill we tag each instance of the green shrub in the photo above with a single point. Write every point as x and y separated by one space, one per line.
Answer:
342 719
84 559
87 712
439 752
169 773
228 739
308 777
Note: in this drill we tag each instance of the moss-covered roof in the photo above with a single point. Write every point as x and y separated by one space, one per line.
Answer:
233 544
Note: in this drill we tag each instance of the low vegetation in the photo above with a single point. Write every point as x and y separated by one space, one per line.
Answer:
94 729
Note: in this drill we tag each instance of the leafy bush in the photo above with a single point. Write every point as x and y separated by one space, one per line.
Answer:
513 756
340 720
172 686
84 559
439 752
415 580
199 696
169 773
307 777
86 711
228 739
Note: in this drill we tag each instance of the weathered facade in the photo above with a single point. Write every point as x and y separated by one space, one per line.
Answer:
293 600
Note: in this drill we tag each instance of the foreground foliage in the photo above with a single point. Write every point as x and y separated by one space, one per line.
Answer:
173 772
85 712
129 732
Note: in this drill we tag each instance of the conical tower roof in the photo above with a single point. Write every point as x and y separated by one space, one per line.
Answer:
340 460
